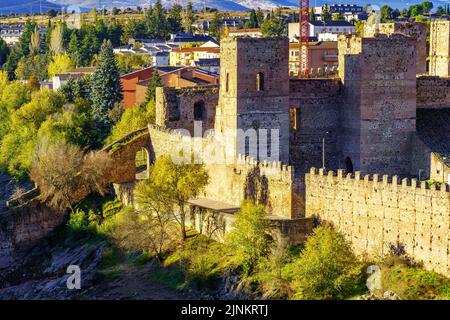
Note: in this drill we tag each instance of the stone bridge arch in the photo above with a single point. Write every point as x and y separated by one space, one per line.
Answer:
124 152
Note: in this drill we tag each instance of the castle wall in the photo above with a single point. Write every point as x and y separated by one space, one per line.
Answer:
269 183
254 90
440 48
318 104
375 214
378 115
433 92
175 107
416 30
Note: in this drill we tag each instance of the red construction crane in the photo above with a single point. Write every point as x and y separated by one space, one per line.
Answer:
303 40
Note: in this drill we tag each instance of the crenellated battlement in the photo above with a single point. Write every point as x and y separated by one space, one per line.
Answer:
272 169
380 180
377 211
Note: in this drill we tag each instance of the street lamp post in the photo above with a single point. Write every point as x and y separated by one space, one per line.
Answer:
323 150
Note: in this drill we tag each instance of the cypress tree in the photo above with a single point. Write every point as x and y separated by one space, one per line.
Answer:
253 20
154 83
106 91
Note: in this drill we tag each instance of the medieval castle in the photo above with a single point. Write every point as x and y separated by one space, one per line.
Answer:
377 132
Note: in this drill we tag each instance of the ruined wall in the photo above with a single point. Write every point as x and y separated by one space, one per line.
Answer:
433 92
375 214
318 104
123 152
416 30
378 115
175 107
22 227
245 105
440 48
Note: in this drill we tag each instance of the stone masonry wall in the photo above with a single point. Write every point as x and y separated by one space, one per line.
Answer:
175 107
375 214
416 30
440 48
433 92
378 115
318 104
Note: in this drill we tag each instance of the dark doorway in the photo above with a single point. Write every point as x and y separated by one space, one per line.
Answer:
348 165
200 111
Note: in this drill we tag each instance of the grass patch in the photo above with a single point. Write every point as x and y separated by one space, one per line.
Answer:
415 283
113 274
172 276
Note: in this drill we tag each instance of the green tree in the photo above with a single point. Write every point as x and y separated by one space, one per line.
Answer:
415 10
132 119
106 90
214 27
404 13
4 52
74 49
248 239
440 10
386 13
188 18
359 27
327 268
273 26
175 19
23 47
427 6
179 182
59 64
11 63
155 82
338 17
260 17
253 20
156 21
326 15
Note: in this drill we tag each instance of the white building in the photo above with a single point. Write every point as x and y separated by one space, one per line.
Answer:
318 27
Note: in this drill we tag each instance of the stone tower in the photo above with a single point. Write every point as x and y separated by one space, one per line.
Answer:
440 48
378 117
254 94
416 30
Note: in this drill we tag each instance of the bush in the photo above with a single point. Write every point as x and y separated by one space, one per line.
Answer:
249 238
412 283
326 268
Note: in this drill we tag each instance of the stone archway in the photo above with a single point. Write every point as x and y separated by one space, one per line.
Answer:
142 164
349 165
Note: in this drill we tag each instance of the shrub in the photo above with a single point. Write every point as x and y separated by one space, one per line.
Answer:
326 268
249 238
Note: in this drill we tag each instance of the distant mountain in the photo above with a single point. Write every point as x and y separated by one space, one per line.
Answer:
33 6
27 6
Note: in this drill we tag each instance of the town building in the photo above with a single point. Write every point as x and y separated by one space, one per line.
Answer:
11 33
186 56
254 33
134 84
323 55
319 27
59 80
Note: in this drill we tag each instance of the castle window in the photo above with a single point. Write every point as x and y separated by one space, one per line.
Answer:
200 111
260 81
227 82
295 118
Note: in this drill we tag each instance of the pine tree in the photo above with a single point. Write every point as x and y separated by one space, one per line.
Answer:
175 19
154 83
106 91
188 18
74 48
253 20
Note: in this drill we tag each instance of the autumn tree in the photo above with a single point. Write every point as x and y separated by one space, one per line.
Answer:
64 174
151 227
179 183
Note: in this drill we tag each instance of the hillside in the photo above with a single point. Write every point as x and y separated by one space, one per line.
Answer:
27 6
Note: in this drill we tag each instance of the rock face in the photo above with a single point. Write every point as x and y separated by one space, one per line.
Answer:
42 273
